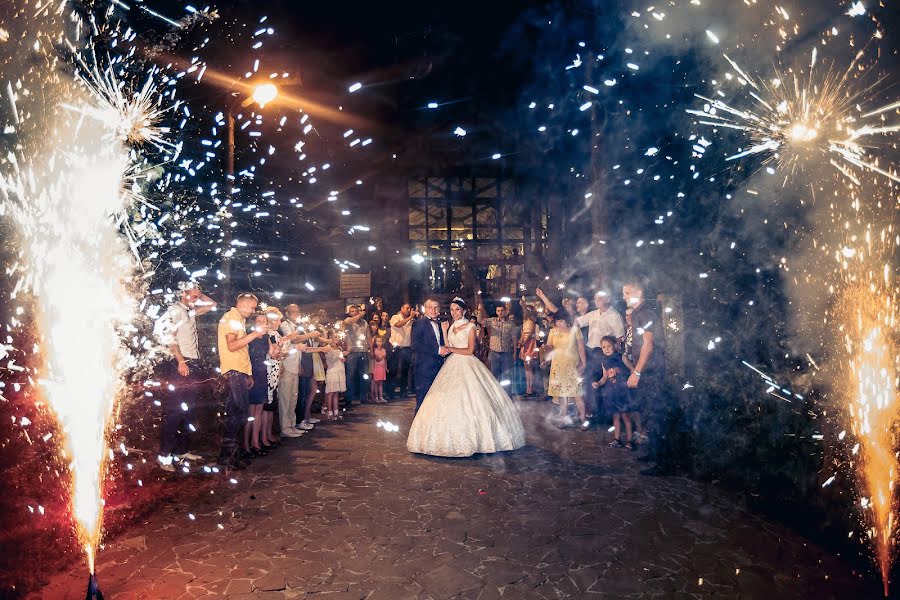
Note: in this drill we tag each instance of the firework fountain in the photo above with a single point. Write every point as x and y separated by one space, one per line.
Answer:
82 276
68 185
817 127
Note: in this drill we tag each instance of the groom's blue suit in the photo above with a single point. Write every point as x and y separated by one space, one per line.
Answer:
426 356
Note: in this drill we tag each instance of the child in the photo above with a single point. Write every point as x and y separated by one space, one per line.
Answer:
615 393
335 380
379 370
371 334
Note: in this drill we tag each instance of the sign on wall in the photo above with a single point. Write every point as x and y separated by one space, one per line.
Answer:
356 285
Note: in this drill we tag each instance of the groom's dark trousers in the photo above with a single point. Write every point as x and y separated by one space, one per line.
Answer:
428 359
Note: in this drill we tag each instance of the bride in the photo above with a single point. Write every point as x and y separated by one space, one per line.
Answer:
466 411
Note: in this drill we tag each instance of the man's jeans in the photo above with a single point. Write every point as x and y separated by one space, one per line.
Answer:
593 372
399 376
306 395
236 411
357 365
502 366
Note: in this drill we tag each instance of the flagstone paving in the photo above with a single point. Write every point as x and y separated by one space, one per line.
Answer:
345 513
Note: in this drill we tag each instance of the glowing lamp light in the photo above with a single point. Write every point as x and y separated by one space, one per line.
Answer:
264 93
418 259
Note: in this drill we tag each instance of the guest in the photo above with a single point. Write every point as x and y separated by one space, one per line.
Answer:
310 347
640 436
566 367
357 360
275 366
581 309
647 379
177 332
319 361
234 363
528 346
604 321
379 370
502 333
288 384
401 331
384 331
544 352
335 380
371 335
615 369
259 349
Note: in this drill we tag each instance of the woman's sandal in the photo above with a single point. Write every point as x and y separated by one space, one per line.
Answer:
617 444
629 446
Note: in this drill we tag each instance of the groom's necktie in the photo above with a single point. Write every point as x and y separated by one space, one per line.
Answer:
439 330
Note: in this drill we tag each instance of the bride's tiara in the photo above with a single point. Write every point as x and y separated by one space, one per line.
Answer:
460 301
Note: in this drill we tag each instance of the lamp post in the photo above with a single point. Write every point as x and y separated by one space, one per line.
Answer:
262 94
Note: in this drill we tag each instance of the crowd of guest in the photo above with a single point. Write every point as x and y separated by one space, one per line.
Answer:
599 368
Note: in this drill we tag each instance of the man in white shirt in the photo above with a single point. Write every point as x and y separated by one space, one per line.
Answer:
294 386
176 330
604 321
401 353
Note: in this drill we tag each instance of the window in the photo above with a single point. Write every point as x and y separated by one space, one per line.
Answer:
471 223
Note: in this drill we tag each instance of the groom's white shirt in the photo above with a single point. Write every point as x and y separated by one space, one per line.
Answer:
437 331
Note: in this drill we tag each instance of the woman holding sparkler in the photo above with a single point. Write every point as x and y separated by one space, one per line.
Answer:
260 350
528 346
567 363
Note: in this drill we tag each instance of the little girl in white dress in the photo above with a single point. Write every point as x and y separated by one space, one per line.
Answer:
335 380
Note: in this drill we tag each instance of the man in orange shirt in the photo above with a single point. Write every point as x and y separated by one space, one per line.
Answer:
234 363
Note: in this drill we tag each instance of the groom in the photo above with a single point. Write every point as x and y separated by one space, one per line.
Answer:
428 347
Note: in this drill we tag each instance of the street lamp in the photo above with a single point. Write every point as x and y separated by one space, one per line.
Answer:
262 94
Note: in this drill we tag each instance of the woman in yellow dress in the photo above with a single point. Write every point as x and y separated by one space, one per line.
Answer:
567 362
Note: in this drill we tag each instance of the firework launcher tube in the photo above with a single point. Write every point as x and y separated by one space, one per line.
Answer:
93 589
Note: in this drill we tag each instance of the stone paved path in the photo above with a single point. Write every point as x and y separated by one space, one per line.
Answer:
346 513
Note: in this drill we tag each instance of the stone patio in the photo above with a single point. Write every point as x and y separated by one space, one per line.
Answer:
345 513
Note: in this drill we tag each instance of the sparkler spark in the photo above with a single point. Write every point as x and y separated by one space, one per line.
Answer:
800 117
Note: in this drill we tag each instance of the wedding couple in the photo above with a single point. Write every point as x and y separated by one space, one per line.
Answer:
461 409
